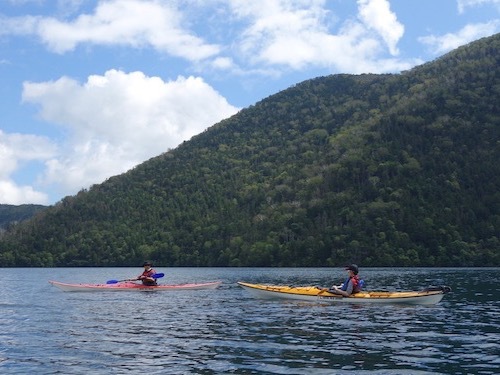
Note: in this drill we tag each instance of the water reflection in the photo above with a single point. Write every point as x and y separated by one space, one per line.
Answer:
47 331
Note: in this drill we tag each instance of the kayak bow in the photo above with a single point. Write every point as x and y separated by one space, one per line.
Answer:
429 296
131 286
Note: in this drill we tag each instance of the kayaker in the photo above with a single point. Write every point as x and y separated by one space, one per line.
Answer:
147 276
351 285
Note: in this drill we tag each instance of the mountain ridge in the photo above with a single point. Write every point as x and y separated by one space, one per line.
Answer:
384 170
11 214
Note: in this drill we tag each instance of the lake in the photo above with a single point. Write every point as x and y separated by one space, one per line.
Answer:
226 331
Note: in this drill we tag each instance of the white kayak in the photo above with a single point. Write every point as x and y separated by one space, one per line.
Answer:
128 286
428 296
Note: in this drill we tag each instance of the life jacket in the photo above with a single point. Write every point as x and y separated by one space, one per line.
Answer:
149 273
357 284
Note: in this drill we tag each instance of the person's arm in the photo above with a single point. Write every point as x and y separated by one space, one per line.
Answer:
135 278
337 286
345 293
143 277
149 276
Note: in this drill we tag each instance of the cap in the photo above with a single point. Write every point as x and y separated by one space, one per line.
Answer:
147 264
353 268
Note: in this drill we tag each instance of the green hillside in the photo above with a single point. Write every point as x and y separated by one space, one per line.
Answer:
11 214
383 170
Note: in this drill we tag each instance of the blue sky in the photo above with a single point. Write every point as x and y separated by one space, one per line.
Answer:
89 88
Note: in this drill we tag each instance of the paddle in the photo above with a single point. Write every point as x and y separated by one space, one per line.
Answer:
155 276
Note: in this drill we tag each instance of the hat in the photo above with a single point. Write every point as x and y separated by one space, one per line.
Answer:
353 268
147 264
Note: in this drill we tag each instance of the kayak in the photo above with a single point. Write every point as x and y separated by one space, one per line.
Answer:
428 296
131 286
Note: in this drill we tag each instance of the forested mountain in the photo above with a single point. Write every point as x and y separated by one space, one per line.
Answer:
11 214
383 170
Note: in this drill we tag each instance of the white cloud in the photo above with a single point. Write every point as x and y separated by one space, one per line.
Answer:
279 32
265 33
18 25
298 34
377 15
463 4
223 63
11 193
118 120
131 23
16 150
445 43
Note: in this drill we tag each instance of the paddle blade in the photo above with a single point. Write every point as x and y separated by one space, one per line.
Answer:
158 275
117 281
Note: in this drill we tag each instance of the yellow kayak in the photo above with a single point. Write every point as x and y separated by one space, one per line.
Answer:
428 296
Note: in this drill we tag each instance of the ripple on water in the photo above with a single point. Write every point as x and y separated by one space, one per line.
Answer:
226 331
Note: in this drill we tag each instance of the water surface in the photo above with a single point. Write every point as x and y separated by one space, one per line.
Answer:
224 331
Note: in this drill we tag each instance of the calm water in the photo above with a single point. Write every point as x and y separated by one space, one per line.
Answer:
226 331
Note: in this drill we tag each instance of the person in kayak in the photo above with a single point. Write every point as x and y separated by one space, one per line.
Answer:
351 285
147 276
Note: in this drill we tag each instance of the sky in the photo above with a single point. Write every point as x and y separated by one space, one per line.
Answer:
91 88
